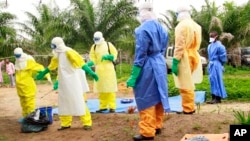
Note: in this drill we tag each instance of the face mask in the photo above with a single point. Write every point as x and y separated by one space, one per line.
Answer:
211 40
17 55
53 46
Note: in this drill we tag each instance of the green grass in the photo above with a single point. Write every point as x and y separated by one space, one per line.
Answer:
123 72
236 81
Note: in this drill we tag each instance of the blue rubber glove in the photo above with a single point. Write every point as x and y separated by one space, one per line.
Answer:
55 86
133 77
175 66
90 63
108 57
90 72
41 74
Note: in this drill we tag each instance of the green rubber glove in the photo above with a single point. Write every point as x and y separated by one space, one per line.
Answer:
108 57
90 72
55 86
175 63
41 74
133 77
90 63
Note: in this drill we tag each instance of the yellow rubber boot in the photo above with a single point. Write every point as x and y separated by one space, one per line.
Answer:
86 119
111 98
103 101
65 121
28 105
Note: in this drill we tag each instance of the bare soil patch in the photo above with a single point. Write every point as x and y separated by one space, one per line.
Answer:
209 119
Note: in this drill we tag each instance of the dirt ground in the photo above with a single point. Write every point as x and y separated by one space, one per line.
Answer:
209 119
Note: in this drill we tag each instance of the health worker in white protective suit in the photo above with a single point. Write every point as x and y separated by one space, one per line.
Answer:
26 67
186 65
102 54
149 76
72 82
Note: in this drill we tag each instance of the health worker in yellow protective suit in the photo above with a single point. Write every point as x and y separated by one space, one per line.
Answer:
149 76
73 83
26 67
102 54
186 65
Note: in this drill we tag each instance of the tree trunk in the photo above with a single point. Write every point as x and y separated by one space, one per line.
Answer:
234 55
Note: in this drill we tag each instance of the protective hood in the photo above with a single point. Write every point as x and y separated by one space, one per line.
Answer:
19 54
59 44
146 12
98 37
18 50
183 12
21 58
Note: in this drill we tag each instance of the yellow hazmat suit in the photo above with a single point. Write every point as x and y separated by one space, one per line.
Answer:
106 86
26 67
187 44
72 85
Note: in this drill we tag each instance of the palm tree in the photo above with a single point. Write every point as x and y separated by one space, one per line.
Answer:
245 17
170 21
38 31
77 24
41 29
204 17
7 32
115 19
236 21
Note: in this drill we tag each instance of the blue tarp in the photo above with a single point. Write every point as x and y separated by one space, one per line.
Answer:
174 102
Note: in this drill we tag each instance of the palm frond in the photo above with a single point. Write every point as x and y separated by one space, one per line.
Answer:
216 25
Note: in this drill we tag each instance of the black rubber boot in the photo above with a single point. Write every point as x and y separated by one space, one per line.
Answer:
218 99
142 138
101 110
186 113
157 131
87 127
212 100
215 100
63 128
111 110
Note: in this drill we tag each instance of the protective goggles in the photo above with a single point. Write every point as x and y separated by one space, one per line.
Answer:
96 39
17 55
53 46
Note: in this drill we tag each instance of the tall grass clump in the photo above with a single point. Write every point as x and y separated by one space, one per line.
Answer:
242 117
